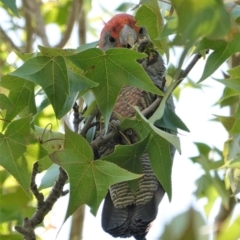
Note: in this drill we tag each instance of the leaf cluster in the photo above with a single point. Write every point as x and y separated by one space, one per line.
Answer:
44 89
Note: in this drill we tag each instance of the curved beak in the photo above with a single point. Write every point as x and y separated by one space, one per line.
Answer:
127 36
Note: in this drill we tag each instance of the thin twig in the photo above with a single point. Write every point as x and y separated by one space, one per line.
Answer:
43 207
76 117
184 73
101 139
44 130
88 123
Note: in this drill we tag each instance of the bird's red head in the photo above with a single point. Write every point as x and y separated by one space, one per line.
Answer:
120 31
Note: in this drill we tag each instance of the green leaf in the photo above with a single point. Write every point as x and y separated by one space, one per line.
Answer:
230 228
49 177
231 124
5 102
185 226
234 163
228 93
236 127
171 121
11 237
233 174
78 85
149 16
233 83
112 70
11 4
89 179
25 56
128 157
161 108
54 52
51 141
170 26
234 72
237 112
201 20
51 75
232 148
206 189
227 122
19 150
158 145
87 46
21 95
221 188
222 51
12 203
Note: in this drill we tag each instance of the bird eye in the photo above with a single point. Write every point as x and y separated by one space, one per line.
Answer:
111 39
141 30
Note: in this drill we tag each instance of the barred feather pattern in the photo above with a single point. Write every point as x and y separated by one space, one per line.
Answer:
121 194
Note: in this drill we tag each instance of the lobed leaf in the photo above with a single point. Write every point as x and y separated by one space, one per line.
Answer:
51 75
201 19
11 4
222 51
21 95
89 179
19 151
112 70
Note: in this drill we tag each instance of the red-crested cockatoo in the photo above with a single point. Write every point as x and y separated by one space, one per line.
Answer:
126 214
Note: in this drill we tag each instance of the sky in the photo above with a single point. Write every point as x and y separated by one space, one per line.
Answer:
196 109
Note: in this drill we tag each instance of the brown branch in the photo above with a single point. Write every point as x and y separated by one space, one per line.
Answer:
82 32
7 39
28 26
223 214
32 9
43 207
77 224
73 16
76 117
100 140
40 25
88 123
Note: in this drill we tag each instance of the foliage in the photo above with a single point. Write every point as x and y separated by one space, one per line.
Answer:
42 87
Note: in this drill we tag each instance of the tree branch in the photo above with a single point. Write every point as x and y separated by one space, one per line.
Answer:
43 207
6 38
73 16
88 123
223 214
32 8
82 32
28 26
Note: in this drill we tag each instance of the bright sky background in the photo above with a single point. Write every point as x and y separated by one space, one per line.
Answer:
195 108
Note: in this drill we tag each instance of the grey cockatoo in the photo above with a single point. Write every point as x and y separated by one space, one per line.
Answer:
126 214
